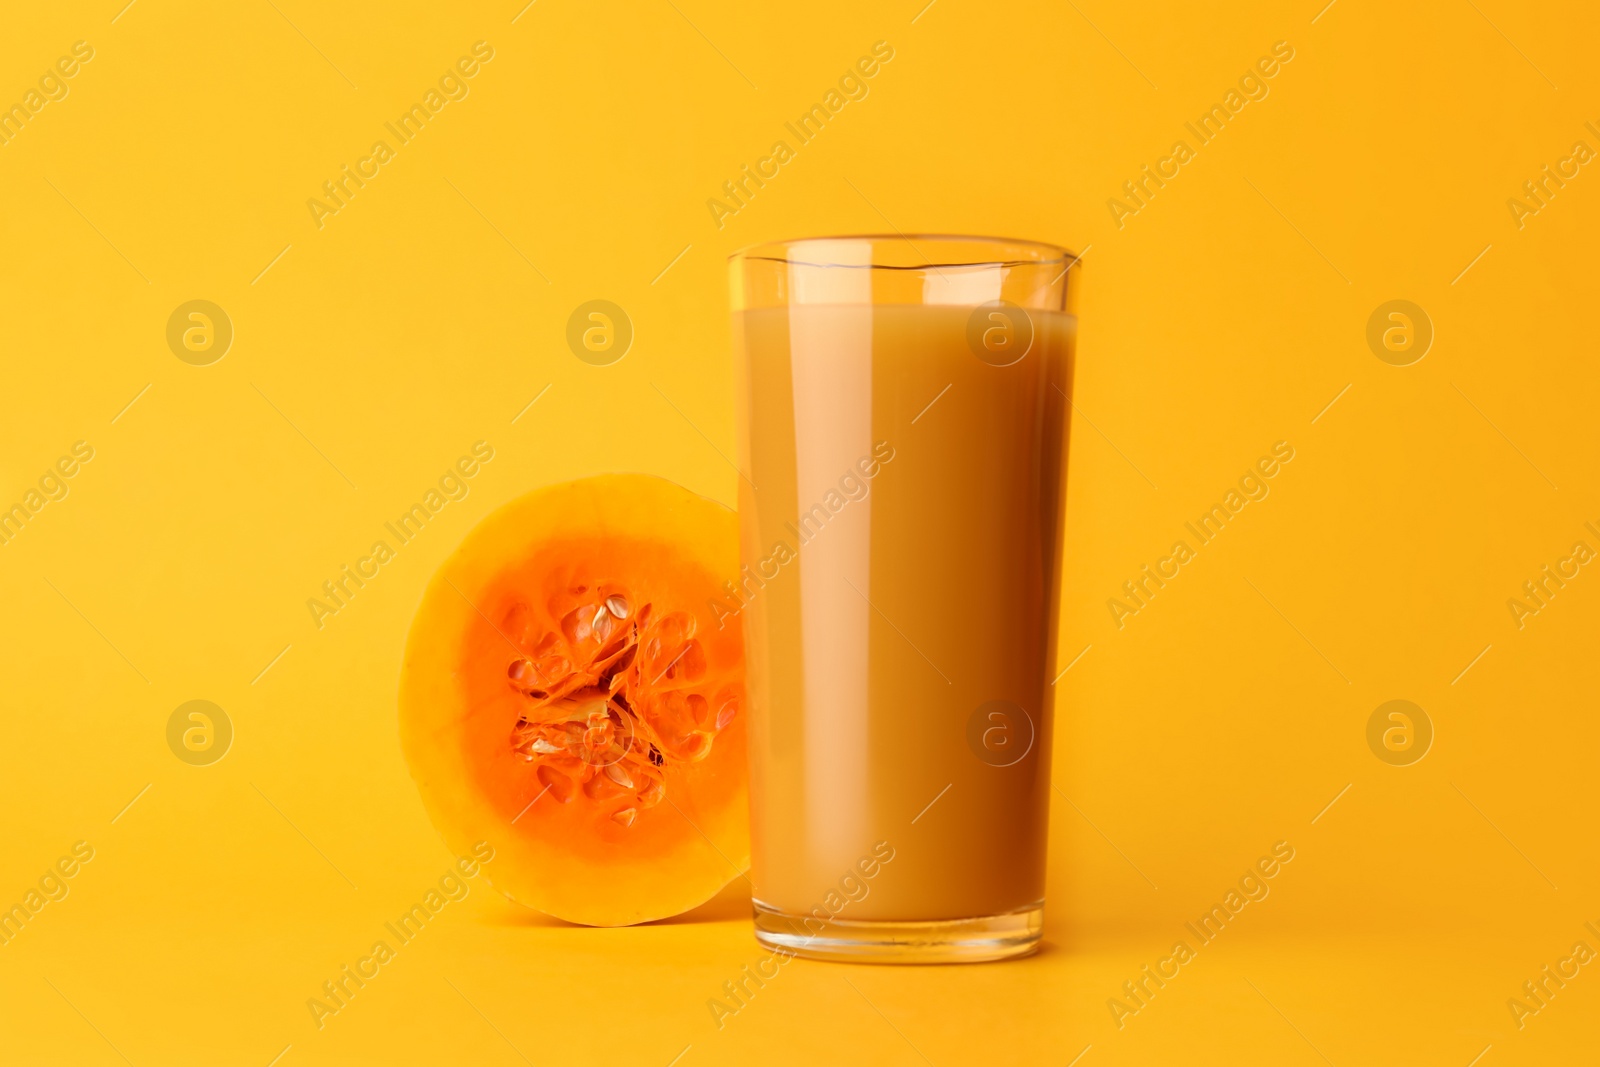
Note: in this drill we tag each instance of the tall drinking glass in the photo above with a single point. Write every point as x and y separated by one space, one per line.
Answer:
904 408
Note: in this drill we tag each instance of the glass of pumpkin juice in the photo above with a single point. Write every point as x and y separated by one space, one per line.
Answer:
903 407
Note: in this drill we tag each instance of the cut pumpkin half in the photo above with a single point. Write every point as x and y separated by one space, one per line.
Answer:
569 697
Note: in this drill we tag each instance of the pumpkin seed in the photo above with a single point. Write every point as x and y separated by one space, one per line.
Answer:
626 816
652 793
616 773
617 606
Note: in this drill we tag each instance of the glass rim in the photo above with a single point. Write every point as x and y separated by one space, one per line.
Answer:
773 251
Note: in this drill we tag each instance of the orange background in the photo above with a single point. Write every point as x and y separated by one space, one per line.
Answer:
1226 315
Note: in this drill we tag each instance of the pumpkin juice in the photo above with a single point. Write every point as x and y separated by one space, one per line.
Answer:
900 526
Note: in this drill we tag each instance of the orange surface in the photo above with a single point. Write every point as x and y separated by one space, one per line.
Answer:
170 558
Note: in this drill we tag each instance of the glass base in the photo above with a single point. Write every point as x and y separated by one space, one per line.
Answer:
990 937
